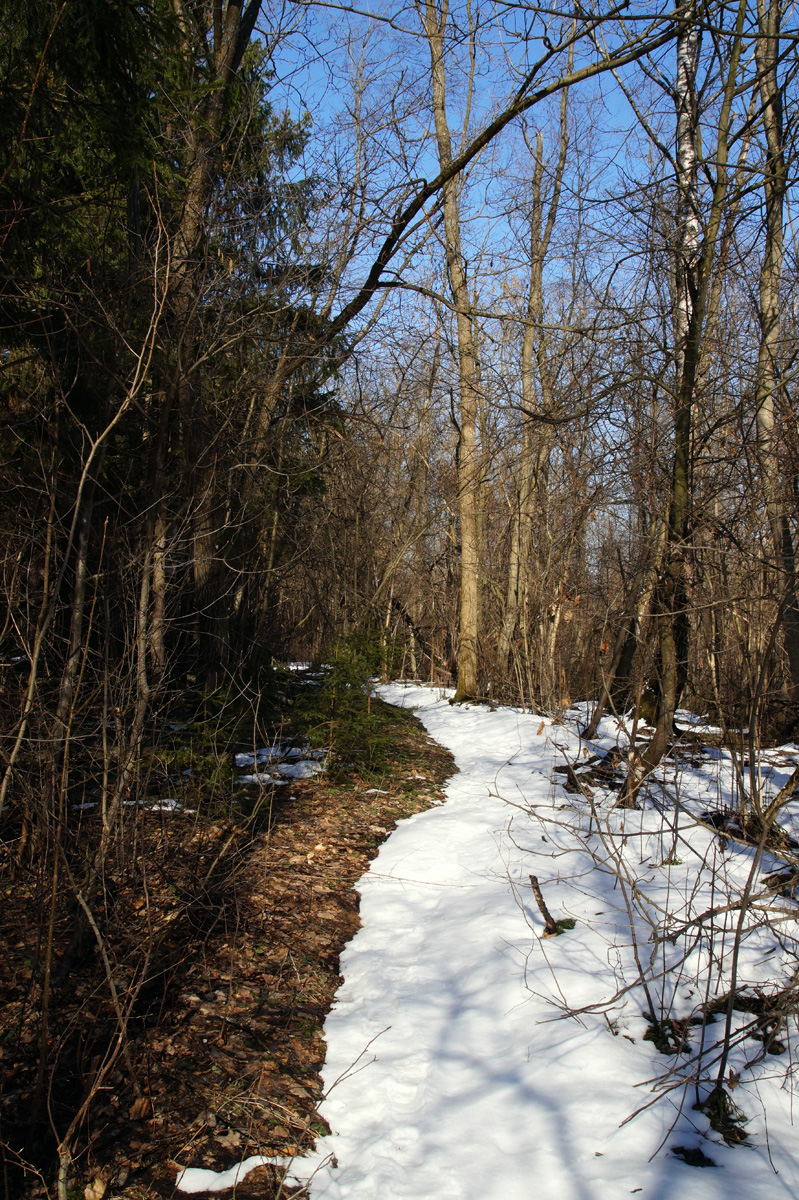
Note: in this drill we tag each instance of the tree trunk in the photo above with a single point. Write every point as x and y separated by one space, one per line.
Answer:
537 440
231 27
672 610
468 460
693 277
774 188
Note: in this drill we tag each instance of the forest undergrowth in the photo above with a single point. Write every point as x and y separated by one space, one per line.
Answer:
189 1026
703 868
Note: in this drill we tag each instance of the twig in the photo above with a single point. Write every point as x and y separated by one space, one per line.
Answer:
550 924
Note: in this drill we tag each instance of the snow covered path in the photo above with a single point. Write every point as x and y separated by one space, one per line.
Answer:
448 1075
458 1066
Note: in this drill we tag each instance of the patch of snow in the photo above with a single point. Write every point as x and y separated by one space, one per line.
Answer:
276 753
300 770
262 777
310 763
265 754
195 1179
169 805
697 724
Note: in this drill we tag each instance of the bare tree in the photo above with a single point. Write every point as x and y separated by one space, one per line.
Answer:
435 21
537 437
694 265
775 182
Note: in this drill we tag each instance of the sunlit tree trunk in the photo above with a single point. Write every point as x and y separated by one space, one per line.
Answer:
468 458
672 599
774 188
537 438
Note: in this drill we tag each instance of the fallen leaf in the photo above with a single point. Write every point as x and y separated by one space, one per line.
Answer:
231 1139
140 1108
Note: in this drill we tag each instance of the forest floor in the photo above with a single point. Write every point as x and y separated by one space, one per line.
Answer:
650 1033
225 1037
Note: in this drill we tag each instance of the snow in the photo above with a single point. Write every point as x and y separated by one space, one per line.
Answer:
471 1058
300 770
261 777
278 752
697 724
306 763
195 1179
265 754
168 805
298 1171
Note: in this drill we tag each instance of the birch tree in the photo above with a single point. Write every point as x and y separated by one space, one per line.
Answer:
696 244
